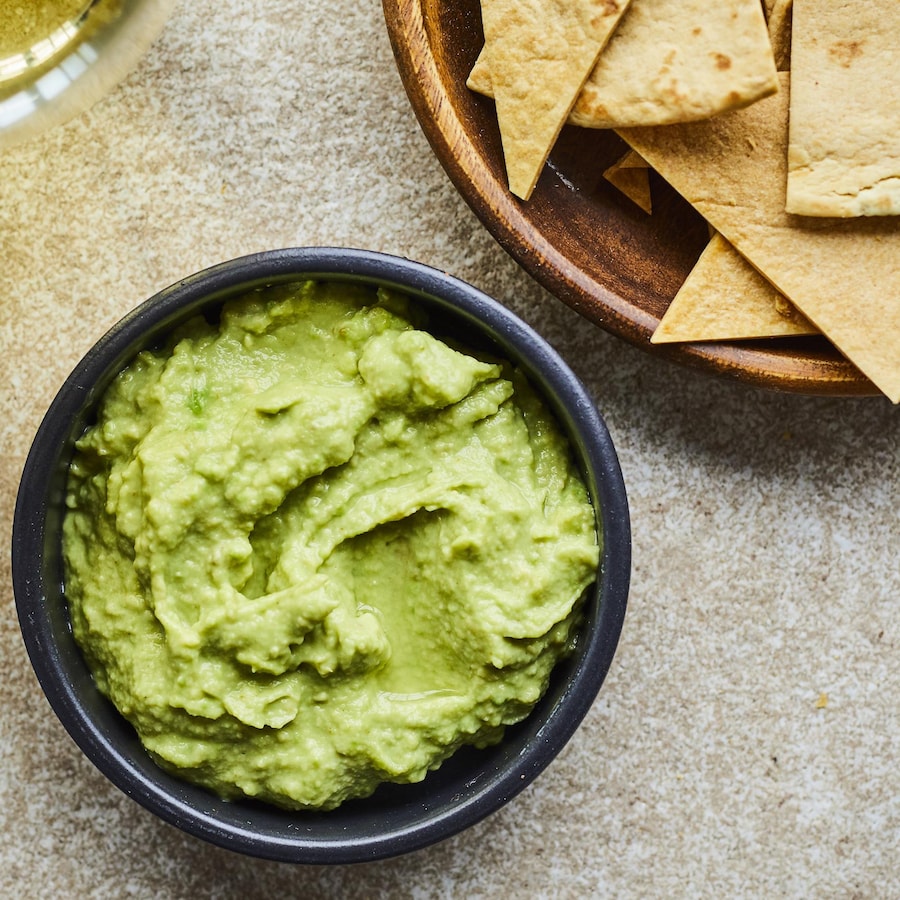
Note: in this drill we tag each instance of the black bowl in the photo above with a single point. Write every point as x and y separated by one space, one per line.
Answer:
396 818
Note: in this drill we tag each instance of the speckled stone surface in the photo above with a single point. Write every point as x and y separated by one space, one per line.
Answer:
744 741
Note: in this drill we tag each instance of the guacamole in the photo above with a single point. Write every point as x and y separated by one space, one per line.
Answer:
311 548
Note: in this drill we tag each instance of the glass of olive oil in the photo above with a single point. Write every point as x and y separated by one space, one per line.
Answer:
57 57
32 32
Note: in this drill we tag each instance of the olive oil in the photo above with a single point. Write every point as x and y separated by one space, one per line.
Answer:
33 30
58 57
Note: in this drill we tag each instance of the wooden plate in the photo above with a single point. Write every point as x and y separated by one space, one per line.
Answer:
578 236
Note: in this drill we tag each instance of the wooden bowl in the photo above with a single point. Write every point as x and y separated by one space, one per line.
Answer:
578 236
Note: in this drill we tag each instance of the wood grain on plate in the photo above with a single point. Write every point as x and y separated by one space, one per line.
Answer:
578 236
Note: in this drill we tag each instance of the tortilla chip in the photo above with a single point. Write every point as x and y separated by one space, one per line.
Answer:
631 175
540 53
842 274
780 19
632 160
844 157
672 61
724 298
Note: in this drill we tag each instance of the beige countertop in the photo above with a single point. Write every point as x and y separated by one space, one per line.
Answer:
744 741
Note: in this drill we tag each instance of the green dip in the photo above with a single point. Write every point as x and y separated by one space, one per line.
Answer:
311 548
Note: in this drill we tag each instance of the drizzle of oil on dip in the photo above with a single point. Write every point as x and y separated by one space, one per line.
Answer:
311 548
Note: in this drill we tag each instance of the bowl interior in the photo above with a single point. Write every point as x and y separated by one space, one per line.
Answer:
397 818
578 235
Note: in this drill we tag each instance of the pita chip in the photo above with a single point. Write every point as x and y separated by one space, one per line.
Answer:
842 274
631 175
671 61
844 156
724 298
632 160
780 20
768 6
540 52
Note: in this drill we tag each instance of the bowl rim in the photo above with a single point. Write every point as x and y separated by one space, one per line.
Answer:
47 461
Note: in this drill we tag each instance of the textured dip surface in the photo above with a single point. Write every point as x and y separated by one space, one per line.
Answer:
311 548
